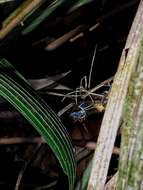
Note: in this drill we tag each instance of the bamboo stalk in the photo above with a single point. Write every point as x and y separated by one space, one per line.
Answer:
17 16
131 159
82 184
111 184
113 115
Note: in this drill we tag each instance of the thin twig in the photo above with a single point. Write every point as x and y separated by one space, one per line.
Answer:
93 145
21 140
48 186
20 176
84 152
61 40
23 169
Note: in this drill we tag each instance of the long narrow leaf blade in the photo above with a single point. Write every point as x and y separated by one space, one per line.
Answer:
80 3
47 12
15 90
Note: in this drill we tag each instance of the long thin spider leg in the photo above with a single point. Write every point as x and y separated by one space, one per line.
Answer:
88 94
70 95
91 68
83 79
101 84
76 96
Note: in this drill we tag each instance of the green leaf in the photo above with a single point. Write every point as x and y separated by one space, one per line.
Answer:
83 182
47 12
80 3
20 94
5 1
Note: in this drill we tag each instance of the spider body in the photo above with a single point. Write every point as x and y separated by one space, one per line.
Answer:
79 114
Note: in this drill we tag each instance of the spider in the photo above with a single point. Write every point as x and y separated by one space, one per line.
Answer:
85 98
87 102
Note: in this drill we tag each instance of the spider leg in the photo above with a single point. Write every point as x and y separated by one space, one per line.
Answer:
91 67
72 94
76 93
83 82
88 94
